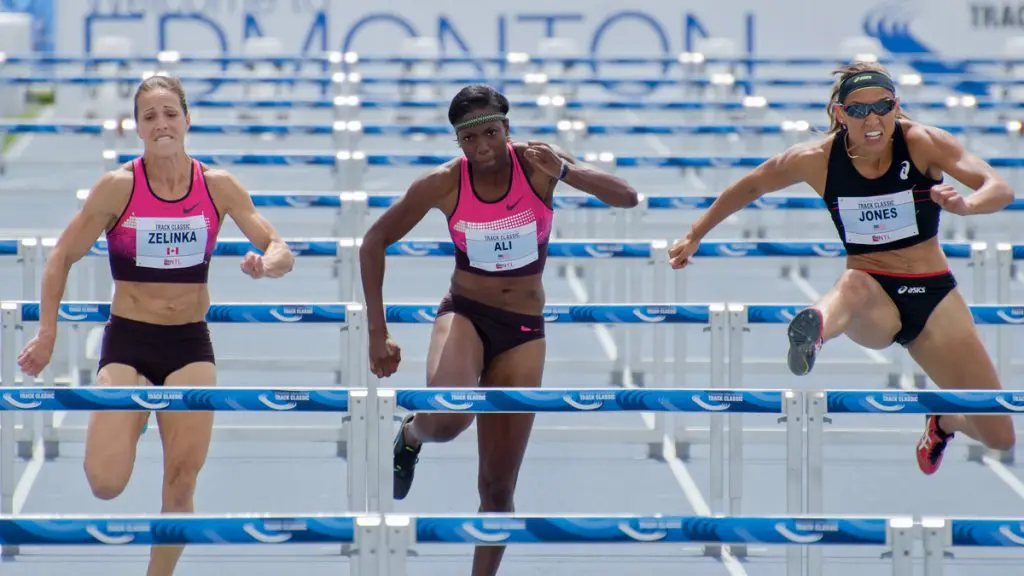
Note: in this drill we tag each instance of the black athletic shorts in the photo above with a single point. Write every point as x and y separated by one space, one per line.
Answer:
499 330
915 296
154 350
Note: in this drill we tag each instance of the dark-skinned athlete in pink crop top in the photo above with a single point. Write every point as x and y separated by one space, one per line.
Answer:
489 330
161 214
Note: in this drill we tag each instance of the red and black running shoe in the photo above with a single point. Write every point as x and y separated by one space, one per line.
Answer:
932 445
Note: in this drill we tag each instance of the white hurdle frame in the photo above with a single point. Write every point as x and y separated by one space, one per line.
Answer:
351 361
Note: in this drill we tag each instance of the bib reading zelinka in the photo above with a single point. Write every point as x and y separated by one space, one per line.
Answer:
495 250
170 242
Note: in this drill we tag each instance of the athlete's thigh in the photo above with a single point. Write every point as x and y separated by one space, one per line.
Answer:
951 353
186 435
875 322
455 355
502 438
949 348
112 436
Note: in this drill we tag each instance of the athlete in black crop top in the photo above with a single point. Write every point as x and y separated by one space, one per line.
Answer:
881 176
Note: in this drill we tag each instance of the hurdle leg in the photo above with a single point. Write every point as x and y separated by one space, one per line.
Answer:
901 536
10 313
815 470
935 533
794 418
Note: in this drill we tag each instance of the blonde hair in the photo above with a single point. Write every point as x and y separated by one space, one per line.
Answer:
158 82
846 71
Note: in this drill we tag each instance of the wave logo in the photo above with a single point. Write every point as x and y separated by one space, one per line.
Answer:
426 315
1009 404
639 536
104 538
458 406
579 405
264 537
138 399
735 250
483 536
283 316
653 319
602 250
298 201
711 407
10 400
829 250
267 401
1014 316
417 249
882 406
67 314
796 537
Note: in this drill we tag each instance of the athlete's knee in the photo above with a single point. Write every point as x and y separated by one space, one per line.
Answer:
497 494
1000 436
856 287
440 427
106 482
180 485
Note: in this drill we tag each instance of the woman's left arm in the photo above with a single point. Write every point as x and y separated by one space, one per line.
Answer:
277 259
991 192
561 165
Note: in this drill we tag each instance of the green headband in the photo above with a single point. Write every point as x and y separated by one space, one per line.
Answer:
479 120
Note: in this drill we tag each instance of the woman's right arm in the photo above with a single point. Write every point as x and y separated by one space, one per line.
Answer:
799 163
99 209
399 219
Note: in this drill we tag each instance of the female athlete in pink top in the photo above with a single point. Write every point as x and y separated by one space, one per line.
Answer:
161 214
489 329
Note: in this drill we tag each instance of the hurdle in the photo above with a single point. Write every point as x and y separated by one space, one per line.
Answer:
942 534
785 403
351 403
351 360
359 531
792 532
821 405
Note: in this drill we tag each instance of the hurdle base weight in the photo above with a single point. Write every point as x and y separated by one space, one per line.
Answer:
977 452
656 451
618 379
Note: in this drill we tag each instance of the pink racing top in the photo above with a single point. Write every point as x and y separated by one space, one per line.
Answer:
164 241
506 237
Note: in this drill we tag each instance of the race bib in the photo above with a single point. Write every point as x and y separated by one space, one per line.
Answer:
879 219
170 242
503 249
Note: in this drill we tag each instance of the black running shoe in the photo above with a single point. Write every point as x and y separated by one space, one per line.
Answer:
804 340
405 461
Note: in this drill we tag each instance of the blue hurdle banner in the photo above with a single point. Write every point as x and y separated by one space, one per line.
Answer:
176 399
576 313
544 102
9 246
69 530
521 529
263 313
97 128
304 247
924 402
793 532
589 400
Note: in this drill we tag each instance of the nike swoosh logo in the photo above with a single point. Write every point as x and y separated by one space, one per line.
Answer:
526 329
513 205
189 210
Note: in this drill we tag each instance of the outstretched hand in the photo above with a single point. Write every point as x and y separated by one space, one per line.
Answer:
950 200
545 158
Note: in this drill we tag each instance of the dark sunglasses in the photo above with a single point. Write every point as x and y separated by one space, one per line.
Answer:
859 110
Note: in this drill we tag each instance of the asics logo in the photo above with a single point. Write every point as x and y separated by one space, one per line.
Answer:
911 290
